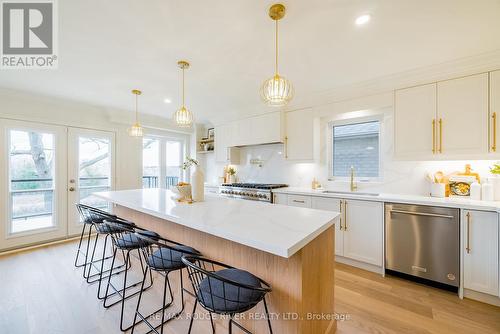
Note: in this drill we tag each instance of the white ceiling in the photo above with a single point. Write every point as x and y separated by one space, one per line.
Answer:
108 47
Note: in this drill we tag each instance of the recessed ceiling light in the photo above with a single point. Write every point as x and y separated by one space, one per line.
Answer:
363 19
167 101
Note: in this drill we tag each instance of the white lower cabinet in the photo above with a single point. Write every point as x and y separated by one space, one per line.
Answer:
332 204
280 199
480 251
359 232
363 229
299 200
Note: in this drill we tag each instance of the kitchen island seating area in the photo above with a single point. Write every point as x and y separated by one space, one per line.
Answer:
226 291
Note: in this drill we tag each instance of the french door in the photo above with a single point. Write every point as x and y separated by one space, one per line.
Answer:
46 169
90 169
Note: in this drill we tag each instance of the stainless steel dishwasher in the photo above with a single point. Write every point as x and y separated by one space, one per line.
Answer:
423 242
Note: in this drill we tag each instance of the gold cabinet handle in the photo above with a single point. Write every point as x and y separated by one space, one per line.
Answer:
297 201
340 220
286 147
467 248
440 135
494 120
345 216
433 136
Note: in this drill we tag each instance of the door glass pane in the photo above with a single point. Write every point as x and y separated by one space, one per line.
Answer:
31 170
150 163
94 172
174 162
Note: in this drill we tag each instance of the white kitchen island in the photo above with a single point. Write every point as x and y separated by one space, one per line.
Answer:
290 248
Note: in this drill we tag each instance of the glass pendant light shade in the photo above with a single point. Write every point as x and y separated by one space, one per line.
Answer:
183 117
277 91
136 129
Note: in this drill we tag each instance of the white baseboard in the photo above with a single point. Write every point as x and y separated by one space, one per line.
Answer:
482 297
361 265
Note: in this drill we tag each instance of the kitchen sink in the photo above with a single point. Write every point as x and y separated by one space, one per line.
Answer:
349 193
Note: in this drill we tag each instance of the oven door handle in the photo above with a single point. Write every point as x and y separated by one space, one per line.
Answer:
404 212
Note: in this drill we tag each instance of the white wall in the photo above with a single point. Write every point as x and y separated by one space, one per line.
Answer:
406 177
33 108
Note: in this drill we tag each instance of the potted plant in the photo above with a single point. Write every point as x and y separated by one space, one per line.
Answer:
231 172
495 171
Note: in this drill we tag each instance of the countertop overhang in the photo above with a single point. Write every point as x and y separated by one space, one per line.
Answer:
276 229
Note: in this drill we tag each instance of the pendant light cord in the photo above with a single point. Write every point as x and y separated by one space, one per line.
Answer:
136 110
183 87
276 60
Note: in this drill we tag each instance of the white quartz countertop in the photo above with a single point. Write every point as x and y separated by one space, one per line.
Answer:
451 202
276 229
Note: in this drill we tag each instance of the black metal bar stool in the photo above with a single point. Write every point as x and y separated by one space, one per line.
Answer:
225 290
105 228
90 217
97 217
127 240
164 257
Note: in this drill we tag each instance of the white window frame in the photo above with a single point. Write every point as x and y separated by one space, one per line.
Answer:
163 139
350 121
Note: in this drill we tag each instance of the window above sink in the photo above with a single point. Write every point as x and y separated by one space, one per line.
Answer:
354 144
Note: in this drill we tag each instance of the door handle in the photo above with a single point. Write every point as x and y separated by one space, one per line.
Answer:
467 247
71 189
340 219
345 215
440 135
494 121
422 214
433 136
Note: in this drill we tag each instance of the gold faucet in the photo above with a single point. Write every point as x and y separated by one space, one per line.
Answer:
354 186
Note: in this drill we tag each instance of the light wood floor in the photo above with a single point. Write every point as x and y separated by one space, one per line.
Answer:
41 292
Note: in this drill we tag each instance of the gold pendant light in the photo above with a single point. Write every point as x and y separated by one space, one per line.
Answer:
136 129
183 117
277 90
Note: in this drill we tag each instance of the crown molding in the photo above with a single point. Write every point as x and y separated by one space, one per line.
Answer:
481 63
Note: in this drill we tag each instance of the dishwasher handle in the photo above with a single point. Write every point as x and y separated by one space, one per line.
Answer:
421 214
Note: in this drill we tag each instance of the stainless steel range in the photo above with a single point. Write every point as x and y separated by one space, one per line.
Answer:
252 191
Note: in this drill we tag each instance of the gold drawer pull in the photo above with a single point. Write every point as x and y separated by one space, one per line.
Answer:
433 136
440 135
494 120
467 248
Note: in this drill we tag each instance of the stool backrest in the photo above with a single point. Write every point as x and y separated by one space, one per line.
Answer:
214 290
162 251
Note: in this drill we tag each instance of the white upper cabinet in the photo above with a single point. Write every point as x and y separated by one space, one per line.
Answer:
444 120
224 152
494 110
415 122
363 230
267 128
462 107
302 136
480 251
263 129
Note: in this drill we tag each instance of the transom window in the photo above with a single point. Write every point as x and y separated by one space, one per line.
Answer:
355 145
